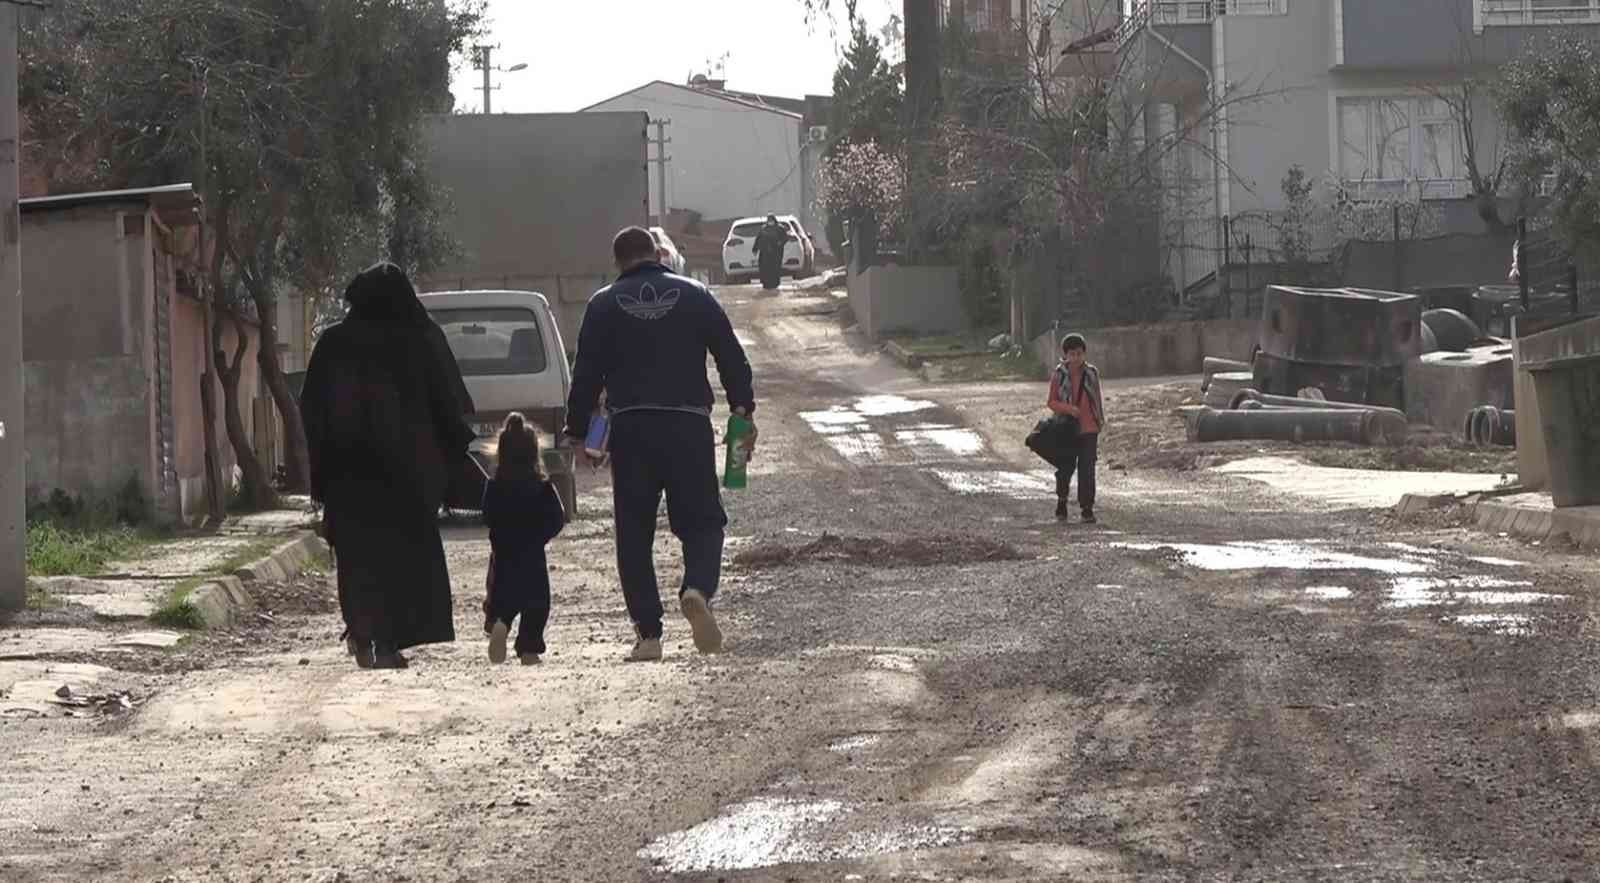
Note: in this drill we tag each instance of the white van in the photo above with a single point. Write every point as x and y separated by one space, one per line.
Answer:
511 355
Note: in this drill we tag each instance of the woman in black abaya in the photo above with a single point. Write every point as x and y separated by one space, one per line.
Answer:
385 414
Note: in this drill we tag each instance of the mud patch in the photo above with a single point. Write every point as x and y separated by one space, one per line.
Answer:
881 553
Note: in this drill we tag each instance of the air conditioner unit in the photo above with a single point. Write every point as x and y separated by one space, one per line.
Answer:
818 133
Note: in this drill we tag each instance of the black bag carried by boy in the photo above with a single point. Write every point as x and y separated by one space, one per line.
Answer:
1053 437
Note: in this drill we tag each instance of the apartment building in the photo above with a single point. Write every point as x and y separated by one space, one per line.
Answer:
1347 87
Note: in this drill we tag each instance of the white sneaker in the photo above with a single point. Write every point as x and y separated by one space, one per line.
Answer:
645 650
696 609
497 642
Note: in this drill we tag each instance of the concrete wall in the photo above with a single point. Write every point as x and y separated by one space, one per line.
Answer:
1161 350
1445 260
1282 61
907 300
87 352
537 200
1434 34
1536 340
728 159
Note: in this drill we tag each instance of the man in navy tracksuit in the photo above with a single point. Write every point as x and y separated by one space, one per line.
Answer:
644 342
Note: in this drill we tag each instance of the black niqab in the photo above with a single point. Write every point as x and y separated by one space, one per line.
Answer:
384 405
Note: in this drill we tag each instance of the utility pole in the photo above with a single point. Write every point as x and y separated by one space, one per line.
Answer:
484 51
13 515
661 141
482 63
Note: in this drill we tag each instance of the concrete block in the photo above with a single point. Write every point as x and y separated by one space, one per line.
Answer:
221 602
919 300
1441 388
287 561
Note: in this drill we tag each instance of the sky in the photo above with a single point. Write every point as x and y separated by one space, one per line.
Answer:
581 52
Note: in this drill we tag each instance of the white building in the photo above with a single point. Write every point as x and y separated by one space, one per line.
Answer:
731 154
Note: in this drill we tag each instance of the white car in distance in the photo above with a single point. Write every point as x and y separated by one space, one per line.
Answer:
739 262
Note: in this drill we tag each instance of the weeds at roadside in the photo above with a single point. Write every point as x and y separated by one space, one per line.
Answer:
62 551
73 535
176 611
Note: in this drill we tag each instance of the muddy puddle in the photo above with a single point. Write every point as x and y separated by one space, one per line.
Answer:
1415 578
1009 484
1278 554
769 831
878 552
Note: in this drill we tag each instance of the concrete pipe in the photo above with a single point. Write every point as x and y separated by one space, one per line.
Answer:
1212 366
1293 425
1453 330
1226 386
1430 341
1392 425
1488 426
1292 402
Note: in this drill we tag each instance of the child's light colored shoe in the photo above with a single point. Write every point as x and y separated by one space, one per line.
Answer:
529 658
497 642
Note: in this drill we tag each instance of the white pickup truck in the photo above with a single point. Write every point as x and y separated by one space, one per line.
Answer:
509 348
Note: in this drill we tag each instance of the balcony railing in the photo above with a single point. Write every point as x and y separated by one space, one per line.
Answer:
1492 13
1191 12
1372 189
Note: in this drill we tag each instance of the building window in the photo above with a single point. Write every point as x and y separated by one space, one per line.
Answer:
1388 143
1538 12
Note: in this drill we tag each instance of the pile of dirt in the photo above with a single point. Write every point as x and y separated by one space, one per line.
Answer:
1424 452
881 553
307 595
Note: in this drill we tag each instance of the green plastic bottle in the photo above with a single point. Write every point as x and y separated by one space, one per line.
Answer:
735 472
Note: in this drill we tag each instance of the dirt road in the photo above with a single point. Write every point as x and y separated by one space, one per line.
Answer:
929 679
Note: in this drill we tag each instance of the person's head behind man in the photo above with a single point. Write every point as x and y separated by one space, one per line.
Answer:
1073 348
632 247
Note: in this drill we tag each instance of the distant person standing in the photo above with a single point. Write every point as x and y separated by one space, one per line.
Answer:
384 407
643 343
769 246
1075 392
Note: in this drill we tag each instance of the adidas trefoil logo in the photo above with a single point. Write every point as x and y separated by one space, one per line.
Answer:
648 305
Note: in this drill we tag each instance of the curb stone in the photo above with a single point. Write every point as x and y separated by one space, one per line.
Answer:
221 602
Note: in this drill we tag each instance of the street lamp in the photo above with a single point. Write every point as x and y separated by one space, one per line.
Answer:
482 62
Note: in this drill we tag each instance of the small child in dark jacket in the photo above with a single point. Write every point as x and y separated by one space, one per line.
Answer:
523 513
